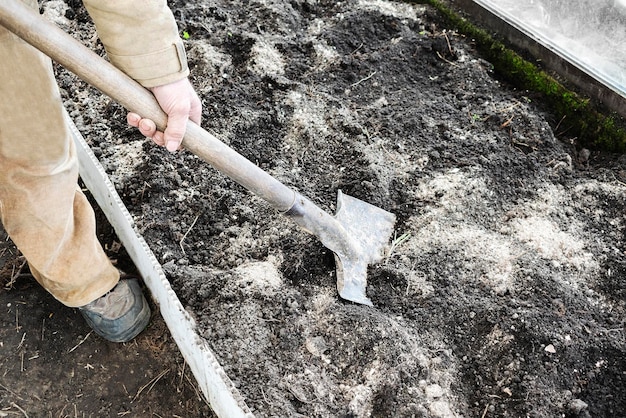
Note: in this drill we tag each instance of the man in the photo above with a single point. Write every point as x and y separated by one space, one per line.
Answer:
42 209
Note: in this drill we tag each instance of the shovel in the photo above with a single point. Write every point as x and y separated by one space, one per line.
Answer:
357 234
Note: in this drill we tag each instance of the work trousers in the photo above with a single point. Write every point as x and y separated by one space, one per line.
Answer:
41 206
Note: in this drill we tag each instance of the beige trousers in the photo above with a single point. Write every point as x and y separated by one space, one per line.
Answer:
42 209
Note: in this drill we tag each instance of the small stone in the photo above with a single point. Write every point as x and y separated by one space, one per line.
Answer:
434 391
550 349
440 409
577 406
315 345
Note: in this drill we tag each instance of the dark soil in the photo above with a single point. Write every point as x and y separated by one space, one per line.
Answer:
52 365
502 292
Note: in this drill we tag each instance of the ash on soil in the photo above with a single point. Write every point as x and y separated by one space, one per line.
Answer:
502 291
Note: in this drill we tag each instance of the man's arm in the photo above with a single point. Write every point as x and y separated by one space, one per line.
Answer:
141 38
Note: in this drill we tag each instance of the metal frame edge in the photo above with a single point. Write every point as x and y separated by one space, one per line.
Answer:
224 398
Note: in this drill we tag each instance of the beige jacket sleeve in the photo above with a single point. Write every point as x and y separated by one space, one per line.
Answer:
141 38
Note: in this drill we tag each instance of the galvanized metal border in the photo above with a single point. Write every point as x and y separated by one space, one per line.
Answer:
224 398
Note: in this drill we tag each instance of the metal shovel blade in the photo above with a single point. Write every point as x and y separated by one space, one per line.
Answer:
358 235
371 228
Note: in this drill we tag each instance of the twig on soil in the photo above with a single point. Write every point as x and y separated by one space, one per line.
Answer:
195 389
151 383
448 41
556 128
485 411
265 397
182 376
16 406
14 275
186 233
81 341
558 134
11 392
508 122
21 342
396 243
363 79
449 62
508 108
359 47
144 189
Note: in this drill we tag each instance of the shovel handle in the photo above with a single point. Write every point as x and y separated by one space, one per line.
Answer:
90 67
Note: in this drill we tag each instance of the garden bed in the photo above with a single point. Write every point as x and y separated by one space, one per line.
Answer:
502 291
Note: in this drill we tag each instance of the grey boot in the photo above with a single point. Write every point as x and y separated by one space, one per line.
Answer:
121 314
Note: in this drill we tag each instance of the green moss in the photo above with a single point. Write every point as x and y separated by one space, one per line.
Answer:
592 128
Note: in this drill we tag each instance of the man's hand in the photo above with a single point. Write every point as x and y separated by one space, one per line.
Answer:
181 103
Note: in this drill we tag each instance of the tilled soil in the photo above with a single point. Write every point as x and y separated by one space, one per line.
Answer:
501 292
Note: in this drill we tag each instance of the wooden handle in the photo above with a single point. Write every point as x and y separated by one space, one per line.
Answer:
80 60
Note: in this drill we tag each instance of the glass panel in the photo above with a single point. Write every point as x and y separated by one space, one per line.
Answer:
589 33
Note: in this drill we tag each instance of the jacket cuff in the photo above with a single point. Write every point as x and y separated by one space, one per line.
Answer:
155 68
